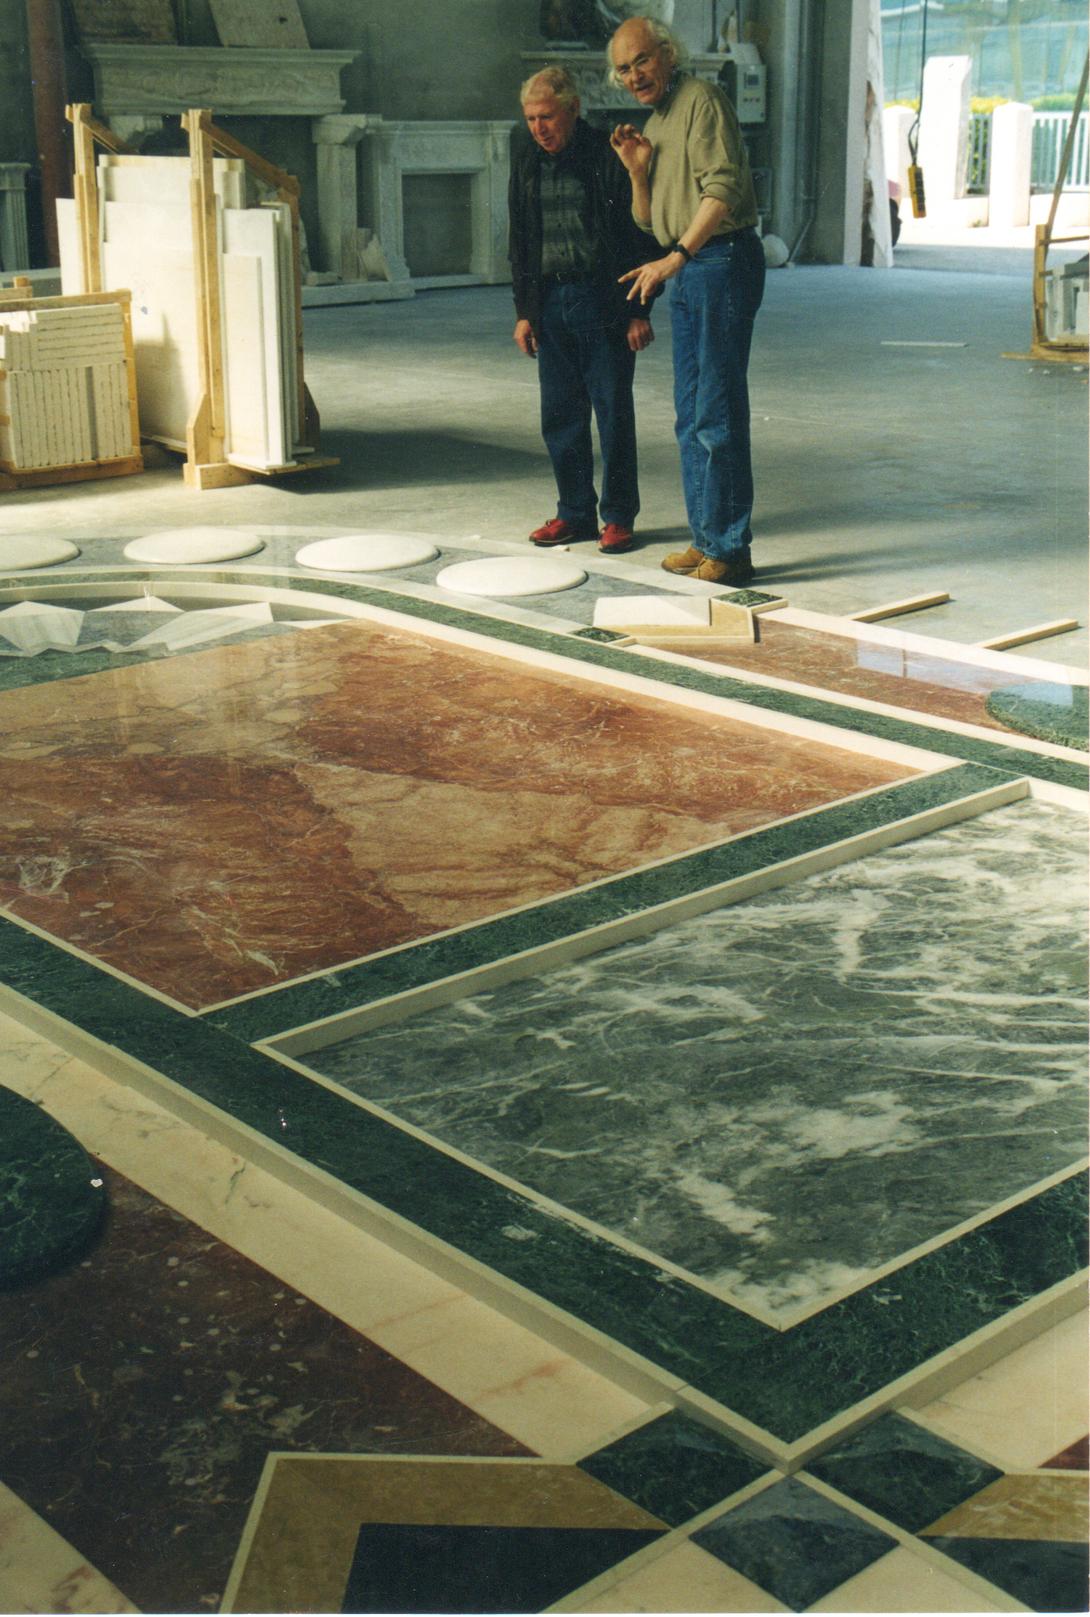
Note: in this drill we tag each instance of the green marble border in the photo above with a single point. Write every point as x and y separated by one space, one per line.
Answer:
785 1382
968 749
343 988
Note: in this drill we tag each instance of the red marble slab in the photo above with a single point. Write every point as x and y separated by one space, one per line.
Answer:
217 823
144 1389
1076 1457
870 669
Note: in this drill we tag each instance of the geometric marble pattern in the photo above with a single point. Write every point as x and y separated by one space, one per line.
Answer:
342 1534
417 786
794 1542
902 1471
773 1096
674 1467
788 1380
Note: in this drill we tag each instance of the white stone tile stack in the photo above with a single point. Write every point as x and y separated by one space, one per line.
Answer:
64 392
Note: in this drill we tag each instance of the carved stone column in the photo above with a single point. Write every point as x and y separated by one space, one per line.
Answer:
336 139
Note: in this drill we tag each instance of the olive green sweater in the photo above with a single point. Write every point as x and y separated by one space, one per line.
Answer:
698 153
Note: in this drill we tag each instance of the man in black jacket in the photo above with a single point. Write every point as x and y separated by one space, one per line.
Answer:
572 237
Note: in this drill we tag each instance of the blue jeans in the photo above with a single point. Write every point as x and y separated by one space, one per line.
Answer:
713 303
584 363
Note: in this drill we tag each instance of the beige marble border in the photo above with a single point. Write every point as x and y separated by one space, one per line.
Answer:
41 1572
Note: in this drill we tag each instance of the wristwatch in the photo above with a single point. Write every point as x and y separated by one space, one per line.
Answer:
679 247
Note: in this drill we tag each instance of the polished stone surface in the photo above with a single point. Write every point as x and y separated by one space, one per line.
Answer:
24 551
417 786
421 1568
912 679
176 546
145 1387
788 1382
674 1467
511 576
794 1542
785 1094
680 675
336 1533
366 552
1047 1577
51 1197
903 1472
1056 713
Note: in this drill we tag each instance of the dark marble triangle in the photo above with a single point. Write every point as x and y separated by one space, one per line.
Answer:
1045 1576
436 1568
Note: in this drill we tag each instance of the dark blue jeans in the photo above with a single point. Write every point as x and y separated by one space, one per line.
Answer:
713 303
584 364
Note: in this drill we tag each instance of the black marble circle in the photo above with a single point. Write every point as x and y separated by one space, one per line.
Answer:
51 1198
1047 712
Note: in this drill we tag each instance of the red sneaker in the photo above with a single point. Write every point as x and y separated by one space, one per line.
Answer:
559 532
614 538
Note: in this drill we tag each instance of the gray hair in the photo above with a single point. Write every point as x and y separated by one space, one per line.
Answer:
662 35
553 81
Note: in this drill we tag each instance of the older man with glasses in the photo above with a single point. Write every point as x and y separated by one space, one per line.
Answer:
693 191
572 237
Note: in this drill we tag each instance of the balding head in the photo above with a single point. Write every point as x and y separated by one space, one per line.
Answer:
643 58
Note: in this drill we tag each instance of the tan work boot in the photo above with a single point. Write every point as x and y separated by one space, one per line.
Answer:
719 570
684 561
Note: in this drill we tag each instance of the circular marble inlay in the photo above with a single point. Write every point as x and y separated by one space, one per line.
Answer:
511 575
25 550
51 1199
366 553
172 545
1047 712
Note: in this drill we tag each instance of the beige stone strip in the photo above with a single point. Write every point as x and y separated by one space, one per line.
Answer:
41 1572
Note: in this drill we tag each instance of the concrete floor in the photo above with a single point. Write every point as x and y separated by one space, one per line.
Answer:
882 471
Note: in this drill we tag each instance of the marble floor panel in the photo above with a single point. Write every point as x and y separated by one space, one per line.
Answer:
145 1387
784 1096
242 816
920 681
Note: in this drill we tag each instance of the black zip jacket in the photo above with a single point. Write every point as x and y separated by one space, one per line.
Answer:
619 243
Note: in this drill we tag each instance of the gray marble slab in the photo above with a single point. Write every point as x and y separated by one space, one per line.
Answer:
785 1094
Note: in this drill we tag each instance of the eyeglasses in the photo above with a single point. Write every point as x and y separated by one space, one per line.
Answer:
626 69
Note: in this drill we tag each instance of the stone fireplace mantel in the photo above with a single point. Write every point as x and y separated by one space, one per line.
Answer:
141 79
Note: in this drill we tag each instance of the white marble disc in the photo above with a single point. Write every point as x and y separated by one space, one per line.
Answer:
366 553
511 575
27 550
172 545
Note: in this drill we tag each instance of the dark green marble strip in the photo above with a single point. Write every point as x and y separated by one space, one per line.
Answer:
347 987
51 1199
788 1383
972 750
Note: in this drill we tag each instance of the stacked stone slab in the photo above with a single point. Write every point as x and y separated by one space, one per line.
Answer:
64 391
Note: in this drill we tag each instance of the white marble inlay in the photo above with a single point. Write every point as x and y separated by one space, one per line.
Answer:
688 611
192 628
27 550
139 603
366 553
36 626
511 575
179 545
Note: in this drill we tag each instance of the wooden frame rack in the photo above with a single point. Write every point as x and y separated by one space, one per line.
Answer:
206 464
